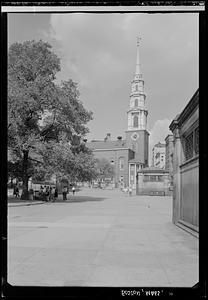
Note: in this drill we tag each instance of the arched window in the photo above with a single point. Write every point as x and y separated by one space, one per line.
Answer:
136 102
135 121
136 87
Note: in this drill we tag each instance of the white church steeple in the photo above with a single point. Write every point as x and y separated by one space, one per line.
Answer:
137 113
138 73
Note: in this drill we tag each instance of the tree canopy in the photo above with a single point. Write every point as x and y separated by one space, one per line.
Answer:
46 121
104 168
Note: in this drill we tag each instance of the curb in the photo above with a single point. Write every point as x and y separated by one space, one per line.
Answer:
25 203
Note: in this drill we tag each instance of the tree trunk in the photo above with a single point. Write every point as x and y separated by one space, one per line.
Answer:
25 177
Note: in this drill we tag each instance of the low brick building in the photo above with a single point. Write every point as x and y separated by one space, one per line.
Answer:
153 181
118 154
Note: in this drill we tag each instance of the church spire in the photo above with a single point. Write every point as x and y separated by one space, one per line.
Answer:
138 72
137 113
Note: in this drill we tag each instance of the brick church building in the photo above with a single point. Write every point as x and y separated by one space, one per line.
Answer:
129 155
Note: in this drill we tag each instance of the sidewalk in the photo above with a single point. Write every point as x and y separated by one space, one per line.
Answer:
12 201
101 238
25 202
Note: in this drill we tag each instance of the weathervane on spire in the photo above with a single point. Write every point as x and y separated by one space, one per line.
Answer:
138 40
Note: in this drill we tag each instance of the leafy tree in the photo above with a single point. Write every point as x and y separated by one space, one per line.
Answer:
71 163
39 173
43 117
31 71
104 169
14 170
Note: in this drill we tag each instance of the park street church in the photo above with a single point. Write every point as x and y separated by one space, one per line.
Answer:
129 155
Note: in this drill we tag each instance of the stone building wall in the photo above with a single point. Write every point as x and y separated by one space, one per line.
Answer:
185 128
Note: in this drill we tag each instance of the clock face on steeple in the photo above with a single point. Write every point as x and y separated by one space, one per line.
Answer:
134 136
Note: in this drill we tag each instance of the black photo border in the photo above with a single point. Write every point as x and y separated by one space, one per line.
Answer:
199 290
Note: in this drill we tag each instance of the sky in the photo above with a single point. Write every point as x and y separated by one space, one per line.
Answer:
98 51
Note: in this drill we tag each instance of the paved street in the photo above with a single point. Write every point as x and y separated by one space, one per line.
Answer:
100 238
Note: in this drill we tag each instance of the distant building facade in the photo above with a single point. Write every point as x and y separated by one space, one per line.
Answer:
185 128
158 155
131 154
169 147
117 153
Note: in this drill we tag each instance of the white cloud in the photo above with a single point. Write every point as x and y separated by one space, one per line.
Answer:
98 51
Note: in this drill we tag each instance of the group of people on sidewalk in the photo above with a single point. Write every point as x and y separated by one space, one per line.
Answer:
128 190
48 193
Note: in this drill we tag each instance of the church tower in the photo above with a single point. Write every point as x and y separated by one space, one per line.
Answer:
137 136
137 113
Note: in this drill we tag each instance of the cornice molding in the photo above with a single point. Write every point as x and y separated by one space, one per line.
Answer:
188 110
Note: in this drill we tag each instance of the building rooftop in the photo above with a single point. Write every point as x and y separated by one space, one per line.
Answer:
152 170
96 144
188 110
134 160
158 145
169 137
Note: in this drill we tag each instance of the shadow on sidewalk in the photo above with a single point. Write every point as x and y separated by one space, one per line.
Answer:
11 199
79 199
70 199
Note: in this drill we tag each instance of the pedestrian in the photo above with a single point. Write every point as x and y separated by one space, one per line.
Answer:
125 190
50 193
55 194
44 193
130 191
73 190
47 193
64 192
41 193
16 192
